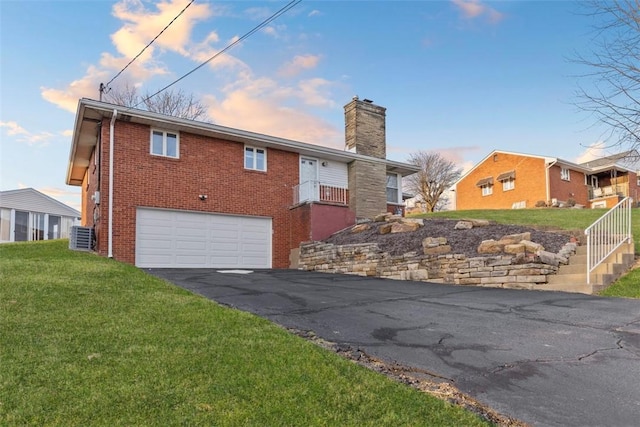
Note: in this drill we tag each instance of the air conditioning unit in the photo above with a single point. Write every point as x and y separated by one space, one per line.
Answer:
81 238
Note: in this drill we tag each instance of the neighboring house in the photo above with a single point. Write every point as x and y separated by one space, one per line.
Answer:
507 180
28 214
161 191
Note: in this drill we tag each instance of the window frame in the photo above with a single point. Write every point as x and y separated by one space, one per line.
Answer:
508 184
565 174
487 189
398 186
164 133
254 150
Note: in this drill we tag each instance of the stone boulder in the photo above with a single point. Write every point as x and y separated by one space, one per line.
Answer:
551 259
514 248
399 227
479 222
418 221
384 228
433 241
463 225
511 239
359 228
531 247
383 217
491 247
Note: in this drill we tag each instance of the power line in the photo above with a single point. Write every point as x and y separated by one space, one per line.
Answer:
264 23
103 86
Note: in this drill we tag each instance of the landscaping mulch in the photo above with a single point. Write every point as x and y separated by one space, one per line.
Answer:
462 241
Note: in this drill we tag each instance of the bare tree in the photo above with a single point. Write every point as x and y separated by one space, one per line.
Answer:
169 102
436 176
611 92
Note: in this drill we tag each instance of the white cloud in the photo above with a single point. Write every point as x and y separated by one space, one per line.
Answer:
13 128
139 27
241 109
143 25
299 64
23 135
592 152
472 9
69 198
315 12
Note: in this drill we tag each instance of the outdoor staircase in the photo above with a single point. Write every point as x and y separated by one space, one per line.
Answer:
573 276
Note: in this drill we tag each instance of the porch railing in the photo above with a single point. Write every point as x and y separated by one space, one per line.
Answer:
609 190
317 191
608 233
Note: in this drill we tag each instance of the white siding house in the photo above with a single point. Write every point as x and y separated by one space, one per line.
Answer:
28 214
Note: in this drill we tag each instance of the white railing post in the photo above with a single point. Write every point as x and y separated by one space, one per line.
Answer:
608 233
317 191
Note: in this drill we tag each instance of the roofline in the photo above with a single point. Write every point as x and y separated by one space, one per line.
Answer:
223 132
546 159
45 195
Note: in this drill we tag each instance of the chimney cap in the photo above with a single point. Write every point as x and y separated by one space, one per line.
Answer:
368 101
355 97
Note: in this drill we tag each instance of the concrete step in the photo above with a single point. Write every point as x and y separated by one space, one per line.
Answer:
570 278
572 269
582 288
580 278
578 259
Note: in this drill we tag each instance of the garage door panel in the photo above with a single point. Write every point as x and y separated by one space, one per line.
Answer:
190 260
167 238
191 245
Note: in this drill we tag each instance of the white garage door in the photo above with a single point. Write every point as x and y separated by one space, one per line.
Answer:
181 239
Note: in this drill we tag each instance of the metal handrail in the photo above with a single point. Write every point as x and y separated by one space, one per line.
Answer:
607 234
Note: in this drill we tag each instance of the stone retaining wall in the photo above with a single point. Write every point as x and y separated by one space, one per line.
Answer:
504 271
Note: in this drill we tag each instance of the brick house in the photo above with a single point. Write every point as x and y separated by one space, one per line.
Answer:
507 180
160 191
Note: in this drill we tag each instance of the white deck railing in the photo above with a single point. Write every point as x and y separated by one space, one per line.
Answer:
607 234
317 191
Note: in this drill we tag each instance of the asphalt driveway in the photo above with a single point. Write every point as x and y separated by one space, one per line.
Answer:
546 358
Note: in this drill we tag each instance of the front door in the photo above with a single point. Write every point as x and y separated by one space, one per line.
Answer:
308 179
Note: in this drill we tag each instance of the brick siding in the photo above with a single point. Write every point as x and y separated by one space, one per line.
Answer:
530 183
205 166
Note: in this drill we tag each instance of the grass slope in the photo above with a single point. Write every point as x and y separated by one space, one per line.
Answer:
566 219
89 341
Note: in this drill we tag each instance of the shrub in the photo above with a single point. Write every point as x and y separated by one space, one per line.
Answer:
541 204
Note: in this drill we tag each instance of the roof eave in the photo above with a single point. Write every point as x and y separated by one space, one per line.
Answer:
174 123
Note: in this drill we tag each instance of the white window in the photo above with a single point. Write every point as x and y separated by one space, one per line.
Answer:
508 184
255 158
487 189
164 143
565 175
392 188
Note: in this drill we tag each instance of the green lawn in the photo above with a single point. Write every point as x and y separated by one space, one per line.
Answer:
85 340
566 219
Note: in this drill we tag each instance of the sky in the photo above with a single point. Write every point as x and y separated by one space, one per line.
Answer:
459 77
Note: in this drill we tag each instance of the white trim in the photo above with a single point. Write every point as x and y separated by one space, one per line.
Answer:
255 158
165 134
398 189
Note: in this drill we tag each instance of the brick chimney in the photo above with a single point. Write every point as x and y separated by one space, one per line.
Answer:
365 134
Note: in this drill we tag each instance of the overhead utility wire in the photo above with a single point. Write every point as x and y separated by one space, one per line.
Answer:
102 87
273 17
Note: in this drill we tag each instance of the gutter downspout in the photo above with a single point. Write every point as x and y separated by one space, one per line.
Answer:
111 141
548 189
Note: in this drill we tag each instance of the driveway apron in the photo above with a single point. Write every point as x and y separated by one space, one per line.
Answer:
546 358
